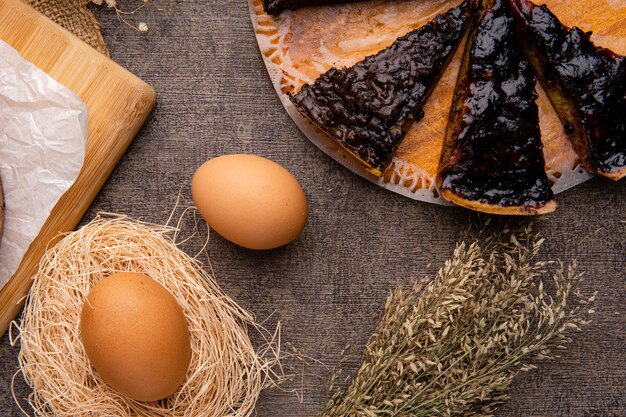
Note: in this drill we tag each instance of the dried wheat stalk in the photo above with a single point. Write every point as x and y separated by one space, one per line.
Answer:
451 347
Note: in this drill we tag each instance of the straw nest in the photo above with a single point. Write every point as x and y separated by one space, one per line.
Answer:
226 374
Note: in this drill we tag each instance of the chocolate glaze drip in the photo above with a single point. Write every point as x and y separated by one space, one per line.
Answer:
586 85
369 107
493 151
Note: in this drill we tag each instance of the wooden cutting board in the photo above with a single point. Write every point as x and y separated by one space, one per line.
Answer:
118 104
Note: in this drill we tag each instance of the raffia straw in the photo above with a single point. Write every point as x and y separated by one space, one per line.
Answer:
226 374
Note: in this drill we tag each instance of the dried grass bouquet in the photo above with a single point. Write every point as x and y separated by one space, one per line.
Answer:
451 347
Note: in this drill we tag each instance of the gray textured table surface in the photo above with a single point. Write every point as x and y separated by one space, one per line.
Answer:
329 286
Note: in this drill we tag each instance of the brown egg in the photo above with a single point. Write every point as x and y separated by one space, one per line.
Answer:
136 336
250 200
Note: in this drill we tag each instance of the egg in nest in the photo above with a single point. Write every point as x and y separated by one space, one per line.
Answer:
136 336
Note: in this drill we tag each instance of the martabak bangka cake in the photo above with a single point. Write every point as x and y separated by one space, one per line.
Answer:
316 58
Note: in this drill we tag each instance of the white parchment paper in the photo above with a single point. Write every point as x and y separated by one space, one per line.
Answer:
43 130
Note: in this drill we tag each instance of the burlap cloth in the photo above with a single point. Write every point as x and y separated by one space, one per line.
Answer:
74 16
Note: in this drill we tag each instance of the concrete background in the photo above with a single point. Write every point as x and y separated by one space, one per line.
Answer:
328 288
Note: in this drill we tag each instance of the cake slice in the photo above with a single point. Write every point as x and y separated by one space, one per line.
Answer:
585 83
492 159
368 108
